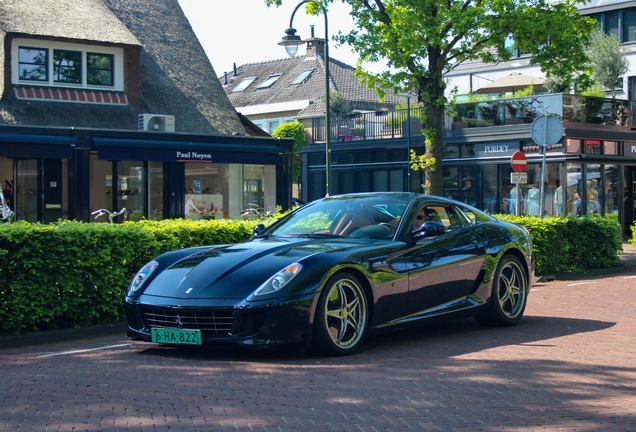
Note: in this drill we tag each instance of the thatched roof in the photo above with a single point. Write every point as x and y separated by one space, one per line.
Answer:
175 75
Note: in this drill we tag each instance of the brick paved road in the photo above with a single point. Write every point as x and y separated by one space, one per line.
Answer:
569 366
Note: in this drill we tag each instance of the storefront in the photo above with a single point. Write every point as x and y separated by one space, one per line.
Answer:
597 163
66 173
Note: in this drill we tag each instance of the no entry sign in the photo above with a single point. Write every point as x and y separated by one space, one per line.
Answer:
518 161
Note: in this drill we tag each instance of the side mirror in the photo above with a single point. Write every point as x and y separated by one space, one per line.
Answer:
428 229
258 229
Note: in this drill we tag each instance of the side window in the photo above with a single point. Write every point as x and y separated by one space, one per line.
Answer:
472 217
443 214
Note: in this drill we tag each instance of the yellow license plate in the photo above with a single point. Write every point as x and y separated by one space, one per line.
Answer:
175 336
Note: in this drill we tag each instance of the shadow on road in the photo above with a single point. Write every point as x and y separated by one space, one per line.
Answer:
455 337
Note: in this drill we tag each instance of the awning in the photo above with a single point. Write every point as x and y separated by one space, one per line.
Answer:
512 83
36 146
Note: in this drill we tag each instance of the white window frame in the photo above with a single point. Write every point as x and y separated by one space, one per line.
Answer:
265 124
118 66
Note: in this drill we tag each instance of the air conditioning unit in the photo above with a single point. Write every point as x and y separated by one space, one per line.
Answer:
156 122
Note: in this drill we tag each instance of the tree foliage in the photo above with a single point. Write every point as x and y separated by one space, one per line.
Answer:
606 60
421 40
296 131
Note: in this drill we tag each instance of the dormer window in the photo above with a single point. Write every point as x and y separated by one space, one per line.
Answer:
58 64
269 81
67 66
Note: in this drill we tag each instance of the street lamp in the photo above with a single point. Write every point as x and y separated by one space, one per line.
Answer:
408 97
291 41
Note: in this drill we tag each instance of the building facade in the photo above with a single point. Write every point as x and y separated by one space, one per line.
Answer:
99 109
595 158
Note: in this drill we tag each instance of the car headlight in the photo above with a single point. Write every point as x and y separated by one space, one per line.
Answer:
141 276
279 280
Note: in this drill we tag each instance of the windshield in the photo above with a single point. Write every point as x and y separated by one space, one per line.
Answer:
361 217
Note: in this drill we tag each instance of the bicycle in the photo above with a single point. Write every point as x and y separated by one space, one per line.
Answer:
6 214
111 215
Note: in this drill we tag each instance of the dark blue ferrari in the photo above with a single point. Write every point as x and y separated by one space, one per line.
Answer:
335 270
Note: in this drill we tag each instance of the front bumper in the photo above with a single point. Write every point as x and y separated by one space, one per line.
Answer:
248 324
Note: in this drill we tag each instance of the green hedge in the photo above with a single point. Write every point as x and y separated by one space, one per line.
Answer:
74 274
572 244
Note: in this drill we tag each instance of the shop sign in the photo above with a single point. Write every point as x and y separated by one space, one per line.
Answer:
497 149
630 149
193 156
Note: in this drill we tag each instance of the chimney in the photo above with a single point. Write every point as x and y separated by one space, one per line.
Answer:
234 67
224 78
315 46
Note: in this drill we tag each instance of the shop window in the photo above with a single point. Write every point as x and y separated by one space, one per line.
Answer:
508 191
26 190
593 177
130 188
316 186
101 186
396 180
611 199
553 200
573 146
155 190
593 147
206 186
468 150
488 185
610 147
451 183
363 157
380 183
67 64
362 180
396 155
450 152
378 156
574 172
314 159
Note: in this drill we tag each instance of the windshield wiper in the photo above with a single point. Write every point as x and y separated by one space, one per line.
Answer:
319 235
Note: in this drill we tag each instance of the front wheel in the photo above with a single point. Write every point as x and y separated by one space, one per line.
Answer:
509 294
341 317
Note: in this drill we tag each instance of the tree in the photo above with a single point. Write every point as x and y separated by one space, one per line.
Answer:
296 131
606 60
422 40
338 103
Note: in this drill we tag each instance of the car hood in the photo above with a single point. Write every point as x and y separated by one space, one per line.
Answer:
234 272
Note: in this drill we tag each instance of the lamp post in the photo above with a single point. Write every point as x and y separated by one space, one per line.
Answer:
291 42
408 97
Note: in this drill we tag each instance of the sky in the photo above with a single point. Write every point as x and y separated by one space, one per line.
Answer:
247 31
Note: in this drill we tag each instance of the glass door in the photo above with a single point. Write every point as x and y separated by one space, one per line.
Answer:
629 213
27 191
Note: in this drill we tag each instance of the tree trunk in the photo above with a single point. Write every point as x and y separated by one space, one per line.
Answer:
435 175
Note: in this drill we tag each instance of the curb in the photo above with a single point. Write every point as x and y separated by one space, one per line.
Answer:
63 335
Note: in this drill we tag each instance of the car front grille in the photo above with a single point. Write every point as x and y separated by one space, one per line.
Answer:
212 323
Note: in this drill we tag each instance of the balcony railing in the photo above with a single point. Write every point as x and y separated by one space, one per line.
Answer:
485 113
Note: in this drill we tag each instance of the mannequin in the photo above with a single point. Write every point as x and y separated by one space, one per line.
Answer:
533 200
558 200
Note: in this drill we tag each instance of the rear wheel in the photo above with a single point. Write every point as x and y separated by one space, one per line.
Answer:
342 316
509 294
